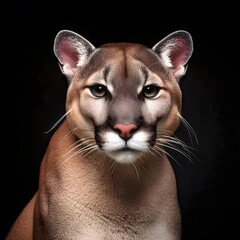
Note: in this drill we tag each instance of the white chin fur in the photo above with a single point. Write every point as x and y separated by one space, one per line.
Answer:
115 147
124 157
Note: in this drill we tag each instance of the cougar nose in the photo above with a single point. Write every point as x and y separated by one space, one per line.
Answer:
125 130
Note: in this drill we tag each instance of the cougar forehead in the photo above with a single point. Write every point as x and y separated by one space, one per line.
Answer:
125 61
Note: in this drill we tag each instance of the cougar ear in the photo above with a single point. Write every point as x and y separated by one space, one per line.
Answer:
175 51
71 50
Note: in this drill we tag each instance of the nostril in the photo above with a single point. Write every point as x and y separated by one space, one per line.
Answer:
133 130
125 130
117 130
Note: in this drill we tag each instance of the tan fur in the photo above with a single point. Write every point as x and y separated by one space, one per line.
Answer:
84 193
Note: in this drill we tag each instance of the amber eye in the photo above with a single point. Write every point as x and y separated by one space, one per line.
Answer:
150 91
98 90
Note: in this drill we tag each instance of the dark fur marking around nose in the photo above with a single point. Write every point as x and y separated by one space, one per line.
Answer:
125 131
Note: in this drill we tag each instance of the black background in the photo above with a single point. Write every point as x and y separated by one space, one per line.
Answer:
33 96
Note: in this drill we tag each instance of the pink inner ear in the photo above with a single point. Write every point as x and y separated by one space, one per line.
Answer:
180 52
178 57
67 53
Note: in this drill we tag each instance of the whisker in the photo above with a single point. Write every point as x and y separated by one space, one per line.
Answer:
175 140
142 163
171 135
97 153
77 145
113 167
58 121
72 153
58 165
82 130
156 148
189 128
92 149
71 132
178 142
176 149
141 160
150 150
187 149
87 130
137 173
171 141
100 154
65 154
163 131
81 150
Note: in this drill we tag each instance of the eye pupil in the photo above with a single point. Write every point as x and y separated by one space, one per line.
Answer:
150 91
98 90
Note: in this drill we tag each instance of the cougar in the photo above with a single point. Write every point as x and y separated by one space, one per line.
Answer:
106 172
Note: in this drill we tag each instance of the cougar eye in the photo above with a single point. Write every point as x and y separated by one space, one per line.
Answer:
98 90
150 91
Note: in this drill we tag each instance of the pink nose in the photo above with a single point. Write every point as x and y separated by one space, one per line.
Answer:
125 130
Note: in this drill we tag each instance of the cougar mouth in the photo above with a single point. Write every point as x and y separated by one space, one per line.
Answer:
126 150
121 150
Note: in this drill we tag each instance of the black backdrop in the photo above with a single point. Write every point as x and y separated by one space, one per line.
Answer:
33 94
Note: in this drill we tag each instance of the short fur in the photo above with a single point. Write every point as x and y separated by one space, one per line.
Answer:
105 174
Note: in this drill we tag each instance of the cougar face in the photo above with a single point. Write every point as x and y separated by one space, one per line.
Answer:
123 96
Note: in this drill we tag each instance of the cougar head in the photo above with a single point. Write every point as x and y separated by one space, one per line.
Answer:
123 96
